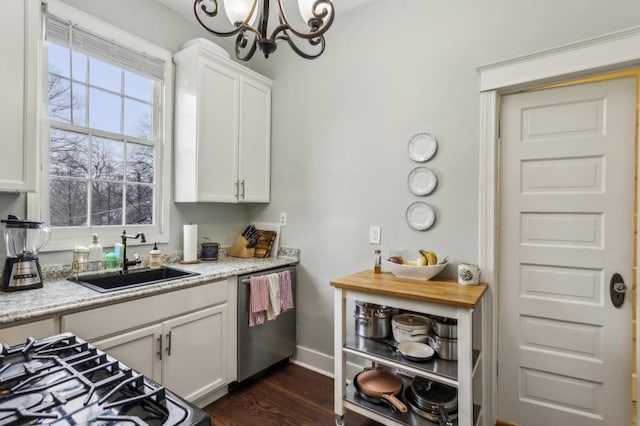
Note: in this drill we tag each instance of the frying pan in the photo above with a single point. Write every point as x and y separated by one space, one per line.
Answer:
377 383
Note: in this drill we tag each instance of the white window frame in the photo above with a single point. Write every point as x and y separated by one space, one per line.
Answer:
38 203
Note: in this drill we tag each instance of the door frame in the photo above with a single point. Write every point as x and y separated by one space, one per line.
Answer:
606 53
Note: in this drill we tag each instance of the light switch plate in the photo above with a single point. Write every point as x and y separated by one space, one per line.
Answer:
374 235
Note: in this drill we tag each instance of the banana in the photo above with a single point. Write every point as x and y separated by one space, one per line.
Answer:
431 257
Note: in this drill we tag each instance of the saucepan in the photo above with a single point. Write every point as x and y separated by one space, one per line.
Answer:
379 386
444 327
433 401
445 348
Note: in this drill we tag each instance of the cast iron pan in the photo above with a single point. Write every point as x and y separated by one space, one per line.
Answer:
376 383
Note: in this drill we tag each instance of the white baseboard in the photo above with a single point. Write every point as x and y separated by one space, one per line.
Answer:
321 362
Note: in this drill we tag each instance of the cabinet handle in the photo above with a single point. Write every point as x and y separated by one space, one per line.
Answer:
159 353
237 189
242 189
169 344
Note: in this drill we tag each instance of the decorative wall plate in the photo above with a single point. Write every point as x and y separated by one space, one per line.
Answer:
422 181
422 147
420 216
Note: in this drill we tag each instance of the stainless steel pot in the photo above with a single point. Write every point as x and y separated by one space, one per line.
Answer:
445 348
444 327
432 400
373 321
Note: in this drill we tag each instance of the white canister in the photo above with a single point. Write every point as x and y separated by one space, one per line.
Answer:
468 274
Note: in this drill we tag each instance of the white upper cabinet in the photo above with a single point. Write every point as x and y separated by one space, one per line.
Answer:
19 32
222 128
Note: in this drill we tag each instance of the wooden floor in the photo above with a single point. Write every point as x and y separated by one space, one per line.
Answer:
291 395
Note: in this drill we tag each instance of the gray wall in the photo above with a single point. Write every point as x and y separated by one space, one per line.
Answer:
341 125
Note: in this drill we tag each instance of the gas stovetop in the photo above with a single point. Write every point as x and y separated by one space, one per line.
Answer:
64 380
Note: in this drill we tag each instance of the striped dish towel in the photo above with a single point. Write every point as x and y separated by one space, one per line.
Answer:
286 292
258 299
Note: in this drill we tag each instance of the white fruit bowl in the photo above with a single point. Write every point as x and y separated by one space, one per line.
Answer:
423 273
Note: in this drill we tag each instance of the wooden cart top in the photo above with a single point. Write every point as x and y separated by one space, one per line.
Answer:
446 292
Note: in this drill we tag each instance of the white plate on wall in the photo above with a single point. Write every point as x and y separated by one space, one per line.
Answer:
422 147
420 216
422 181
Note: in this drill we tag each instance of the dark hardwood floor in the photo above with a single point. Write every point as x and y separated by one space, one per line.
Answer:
290 395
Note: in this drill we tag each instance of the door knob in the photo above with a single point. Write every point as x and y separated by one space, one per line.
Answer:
617 290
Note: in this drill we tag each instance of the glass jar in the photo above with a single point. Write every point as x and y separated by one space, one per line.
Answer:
377 262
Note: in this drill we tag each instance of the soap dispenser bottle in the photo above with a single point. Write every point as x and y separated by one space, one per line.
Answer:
95 254
155 257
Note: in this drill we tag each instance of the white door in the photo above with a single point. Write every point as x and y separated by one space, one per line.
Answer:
566 226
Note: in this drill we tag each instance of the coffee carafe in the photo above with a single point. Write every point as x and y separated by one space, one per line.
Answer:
24 239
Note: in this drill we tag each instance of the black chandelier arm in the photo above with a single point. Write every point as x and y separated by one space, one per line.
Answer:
244 26
241 44
316 41
325 16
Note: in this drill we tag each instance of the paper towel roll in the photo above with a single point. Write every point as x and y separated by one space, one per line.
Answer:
190 244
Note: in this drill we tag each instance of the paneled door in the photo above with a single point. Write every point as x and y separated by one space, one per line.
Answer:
566 227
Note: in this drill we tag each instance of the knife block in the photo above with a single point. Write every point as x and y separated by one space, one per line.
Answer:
239 248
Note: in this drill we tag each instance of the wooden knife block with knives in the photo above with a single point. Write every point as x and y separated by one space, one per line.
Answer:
252 243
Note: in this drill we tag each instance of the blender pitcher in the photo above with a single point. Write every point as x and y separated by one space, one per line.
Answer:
24 239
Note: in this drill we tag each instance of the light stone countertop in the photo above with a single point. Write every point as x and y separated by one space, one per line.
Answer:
60 295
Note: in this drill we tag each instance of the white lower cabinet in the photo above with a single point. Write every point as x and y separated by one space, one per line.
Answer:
184 340
139 349
19 333
195 359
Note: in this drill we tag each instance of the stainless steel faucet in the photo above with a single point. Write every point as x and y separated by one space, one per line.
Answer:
125 261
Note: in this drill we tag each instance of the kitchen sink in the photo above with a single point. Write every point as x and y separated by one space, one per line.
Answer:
112 281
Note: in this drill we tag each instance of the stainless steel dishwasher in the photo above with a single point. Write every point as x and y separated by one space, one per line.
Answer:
263 346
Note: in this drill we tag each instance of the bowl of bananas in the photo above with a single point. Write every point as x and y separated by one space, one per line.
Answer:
424 268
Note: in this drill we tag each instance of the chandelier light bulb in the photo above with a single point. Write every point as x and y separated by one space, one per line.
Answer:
238 10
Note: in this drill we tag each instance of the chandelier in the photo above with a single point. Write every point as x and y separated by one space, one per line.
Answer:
249 20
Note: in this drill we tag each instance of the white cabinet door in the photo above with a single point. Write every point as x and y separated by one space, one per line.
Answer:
217 134
139 349
255 141
195 359
19 32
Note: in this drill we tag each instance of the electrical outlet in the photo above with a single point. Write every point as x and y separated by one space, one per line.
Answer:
374 235
283 219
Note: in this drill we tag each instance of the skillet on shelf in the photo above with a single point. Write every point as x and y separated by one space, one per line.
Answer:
380 387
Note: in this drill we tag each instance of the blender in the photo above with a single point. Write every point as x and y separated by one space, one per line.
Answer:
24 238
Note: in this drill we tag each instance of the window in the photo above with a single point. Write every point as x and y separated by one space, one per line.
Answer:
104 133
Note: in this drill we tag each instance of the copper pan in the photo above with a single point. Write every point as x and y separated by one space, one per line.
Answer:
377 383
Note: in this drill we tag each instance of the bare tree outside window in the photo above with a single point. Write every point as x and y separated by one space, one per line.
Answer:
99 178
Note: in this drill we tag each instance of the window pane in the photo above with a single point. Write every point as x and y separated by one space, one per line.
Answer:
138 86
137 119
79 63
105 75
79 104
59 62
107 159
67 202
106 203
139 204
68 154
140 163
104 111
59 98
